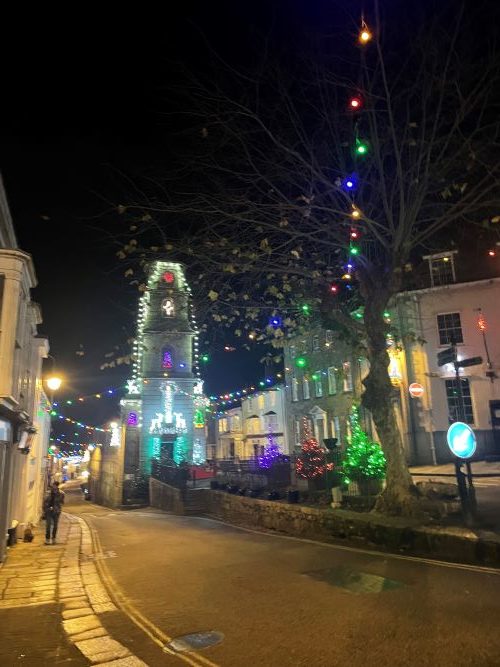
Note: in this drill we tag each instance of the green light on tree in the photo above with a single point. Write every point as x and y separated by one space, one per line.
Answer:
364 458
301 362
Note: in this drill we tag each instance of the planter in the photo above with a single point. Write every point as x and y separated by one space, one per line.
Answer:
336 497
369 486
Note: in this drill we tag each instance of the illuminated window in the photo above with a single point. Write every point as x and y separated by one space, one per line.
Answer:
442 268
346 368
168 308
166 359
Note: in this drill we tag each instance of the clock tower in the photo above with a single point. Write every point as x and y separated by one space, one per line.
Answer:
161 413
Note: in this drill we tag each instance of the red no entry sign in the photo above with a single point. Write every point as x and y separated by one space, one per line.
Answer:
416 390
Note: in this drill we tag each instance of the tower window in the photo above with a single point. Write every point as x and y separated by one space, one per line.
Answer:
166 359
168 307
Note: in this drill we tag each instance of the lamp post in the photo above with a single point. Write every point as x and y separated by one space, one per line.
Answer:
53 383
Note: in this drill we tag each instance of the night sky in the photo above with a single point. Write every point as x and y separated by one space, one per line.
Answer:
84 109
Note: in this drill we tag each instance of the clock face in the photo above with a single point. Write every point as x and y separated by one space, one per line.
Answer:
168 277
168 307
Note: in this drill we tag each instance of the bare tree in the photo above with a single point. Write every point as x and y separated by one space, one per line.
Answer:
319 182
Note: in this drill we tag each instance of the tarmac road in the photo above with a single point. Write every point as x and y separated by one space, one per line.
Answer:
286 602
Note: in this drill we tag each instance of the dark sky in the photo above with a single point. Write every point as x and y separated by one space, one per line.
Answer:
83 110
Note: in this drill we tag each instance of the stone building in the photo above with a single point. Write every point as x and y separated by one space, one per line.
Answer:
24 415
323 379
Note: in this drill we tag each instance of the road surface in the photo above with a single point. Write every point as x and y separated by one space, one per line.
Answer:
283 602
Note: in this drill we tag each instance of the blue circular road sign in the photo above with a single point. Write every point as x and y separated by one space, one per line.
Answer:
461 440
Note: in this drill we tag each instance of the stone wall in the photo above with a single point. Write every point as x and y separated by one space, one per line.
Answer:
326 525
362 529
165 497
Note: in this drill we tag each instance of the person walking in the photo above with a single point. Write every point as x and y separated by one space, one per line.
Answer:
53 506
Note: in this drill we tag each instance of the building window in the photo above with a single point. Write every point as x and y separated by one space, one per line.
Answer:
166 358
272 423
328 337
261 402
319 429
223 425
335 429
231 449
296 431
272 398
441 268
332 381
347 370
295 389
449 328
305 389
293 351
318 384
315 343
235 423
453 398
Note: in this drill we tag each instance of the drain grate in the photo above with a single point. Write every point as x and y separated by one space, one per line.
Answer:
195 641
355 581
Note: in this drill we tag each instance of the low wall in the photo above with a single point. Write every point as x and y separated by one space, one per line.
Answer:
165 497
370 529
326 525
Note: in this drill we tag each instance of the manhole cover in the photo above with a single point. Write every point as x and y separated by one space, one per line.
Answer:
196 641
355 581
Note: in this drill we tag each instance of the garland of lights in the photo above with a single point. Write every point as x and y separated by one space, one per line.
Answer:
87 427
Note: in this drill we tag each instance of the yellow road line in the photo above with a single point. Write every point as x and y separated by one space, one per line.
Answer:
122 602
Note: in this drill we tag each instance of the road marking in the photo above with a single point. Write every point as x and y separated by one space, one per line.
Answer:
481 569
121 600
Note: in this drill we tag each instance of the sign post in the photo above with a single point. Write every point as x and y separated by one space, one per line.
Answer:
462 443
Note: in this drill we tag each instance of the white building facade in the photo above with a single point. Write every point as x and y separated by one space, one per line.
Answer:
244 432
469 315
24 418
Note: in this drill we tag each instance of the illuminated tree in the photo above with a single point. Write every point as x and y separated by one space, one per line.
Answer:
311 463
303 207
363 458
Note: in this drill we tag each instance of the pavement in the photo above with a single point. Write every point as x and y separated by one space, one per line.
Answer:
125 587
487 488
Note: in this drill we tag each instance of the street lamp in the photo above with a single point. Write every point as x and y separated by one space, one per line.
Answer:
54 382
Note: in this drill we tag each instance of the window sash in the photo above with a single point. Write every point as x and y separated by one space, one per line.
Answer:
449 328
453 400
332 381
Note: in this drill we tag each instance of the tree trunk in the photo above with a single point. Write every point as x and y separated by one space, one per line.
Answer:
400 495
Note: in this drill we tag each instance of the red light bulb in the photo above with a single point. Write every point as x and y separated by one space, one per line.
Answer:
355 103
491 253
354 234
334 289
